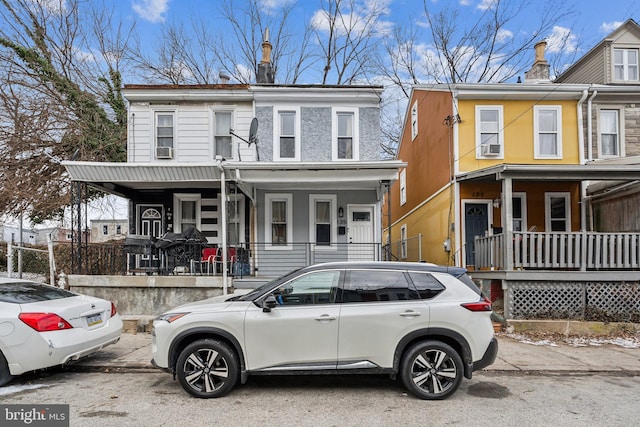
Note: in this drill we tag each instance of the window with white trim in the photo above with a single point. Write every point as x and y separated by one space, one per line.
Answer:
278 220
287 134
403 241
105 230
323 214
625 65
557 211
547 122
609 134
222 138
164 134
345 132
489 131
186 208
118 229
403 187
414 120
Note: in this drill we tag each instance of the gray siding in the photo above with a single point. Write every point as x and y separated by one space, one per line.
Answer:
315 134
370 134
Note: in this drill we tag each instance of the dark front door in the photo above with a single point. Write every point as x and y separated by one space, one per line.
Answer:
476 223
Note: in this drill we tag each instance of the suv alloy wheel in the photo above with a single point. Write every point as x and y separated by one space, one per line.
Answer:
431 370
207 368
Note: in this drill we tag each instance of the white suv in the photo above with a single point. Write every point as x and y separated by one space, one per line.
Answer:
429 324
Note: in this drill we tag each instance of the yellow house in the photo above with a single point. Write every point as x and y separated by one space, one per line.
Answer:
443 196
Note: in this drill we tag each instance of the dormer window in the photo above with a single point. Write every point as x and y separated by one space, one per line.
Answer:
625 65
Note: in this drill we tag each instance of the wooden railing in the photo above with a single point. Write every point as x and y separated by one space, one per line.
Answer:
572 251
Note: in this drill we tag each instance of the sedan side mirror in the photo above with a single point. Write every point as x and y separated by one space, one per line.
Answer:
268 303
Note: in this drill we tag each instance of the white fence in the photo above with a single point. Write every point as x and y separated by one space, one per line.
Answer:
578 250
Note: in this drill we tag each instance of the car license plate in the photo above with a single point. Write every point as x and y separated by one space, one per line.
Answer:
94 319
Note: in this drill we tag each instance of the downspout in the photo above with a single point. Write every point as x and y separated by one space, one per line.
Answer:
583 184
223 198
589 131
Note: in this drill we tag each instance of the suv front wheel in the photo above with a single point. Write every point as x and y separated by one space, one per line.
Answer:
431 370
207 368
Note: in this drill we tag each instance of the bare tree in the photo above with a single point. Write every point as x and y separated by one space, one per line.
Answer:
57 97
347 34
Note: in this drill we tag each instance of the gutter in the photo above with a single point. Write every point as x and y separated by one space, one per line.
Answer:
589 132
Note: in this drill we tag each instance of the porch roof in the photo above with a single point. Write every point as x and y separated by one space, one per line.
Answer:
117 178
591 172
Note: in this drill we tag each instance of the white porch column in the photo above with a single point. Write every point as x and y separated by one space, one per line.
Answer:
507 222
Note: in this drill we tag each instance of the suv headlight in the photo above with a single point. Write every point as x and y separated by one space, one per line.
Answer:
170 317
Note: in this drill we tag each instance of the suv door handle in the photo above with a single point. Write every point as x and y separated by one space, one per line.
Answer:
325 318
410 313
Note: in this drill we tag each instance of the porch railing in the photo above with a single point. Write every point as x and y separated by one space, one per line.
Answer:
554 250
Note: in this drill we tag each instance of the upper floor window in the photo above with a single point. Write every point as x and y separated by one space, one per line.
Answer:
345 134
625 64
489 131
548 131
287 133
118 229
403 187
222 137
322 208
164 135
105 230
278 220
557 211
609 130
414 120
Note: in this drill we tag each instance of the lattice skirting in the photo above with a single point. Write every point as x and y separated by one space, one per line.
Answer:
599 301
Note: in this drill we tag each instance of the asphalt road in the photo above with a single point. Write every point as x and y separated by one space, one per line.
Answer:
154 399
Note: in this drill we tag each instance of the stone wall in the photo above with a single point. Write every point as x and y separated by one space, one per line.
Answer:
147 295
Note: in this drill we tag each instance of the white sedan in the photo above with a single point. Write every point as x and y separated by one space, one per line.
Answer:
43 326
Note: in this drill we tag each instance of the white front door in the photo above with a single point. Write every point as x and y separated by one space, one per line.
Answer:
360 235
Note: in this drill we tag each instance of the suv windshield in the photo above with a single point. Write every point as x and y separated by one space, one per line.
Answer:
263 288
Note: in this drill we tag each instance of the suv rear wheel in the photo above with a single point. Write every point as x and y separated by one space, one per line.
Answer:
431 370
207 368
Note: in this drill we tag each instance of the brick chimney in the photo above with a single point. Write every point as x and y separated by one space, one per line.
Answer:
265 70
539 71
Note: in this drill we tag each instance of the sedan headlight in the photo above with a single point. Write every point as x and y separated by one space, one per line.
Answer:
170 317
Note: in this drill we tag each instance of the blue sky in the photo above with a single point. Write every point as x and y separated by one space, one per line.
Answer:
592 20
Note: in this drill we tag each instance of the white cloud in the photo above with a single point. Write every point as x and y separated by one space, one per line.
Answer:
357 19
504 35
608 27
486 4
465 2
151 10
562 40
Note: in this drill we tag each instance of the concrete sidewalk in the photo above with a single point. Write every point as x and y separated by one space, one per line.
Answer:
516 354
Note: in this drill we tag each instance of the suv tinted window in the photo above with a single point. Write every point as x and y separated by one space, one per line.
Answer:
377 285
314 288
426 285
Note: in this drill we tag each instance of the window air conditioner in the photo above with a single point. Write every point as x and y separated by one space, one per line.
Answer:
164 152
490 149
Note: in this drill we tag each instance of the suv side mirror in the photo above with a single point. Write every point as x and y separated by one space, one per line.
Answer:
268 303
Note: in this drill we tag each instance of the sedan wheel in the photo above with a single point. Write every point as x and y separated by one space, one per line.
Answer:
207 368
5 375
431 370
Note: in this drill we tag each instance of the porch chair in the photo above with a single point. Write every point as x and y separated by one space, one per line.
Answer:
210 259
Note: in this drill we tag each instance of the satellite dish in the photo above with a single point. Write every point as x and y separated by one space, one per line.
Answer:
253 131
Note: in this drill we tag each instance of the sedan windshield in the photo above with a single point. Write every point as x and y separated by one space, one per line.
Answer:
26 292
